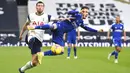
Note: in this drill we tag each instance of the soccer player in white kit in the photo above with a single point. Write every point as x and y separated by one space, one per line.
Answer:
35 37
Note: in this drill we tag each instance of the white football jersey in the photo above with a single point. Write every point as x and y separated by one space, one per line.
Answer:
36 20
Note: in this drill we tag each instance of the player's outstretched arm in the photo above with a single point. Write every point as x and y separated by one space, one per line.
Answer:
124 33
108 34
90 29
78 32
43 27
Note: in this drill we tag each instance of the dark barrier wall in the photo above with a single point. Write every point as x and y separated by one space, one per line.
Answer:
8 16
9 28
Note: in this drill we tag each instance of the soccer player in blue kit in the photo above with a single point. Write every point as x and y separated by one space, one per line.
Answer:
117 30
64 26
71 41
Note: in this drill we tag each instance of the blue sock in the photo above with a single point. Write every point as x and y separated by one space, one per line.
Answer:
75 51
68 51
116 55
46 26
113 53
48 53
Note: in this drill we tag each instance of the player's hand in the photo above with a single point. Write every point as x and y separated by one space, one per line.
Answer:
20 37
101 30
30 27
108 38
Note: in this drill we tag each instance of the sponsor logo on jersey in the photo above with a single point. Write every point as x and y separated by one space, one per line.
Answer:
37 23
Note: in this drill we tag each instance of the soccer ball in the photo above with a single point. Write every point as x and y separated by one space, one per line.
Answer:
56 49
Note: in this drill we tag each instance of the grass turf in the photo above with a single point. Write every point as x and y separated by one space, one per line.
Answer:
90 60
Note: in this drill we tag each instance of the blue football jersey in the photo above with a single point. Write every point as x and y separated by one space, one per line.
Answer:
117 30
72 33
66 26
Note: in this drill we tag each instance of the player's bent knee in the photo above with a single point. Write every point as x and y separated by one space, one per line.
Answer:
57 50
34 63
118 49
74 46
70 45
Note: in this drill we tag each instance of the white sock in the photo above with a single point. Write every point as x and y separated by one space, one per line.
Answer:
28 65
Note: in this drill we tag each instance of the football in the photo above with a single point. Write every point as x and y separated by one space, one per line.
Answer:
56 49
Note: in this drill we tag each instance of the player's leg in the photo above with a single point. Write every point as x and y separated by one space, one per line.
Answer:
29 64
117 44
118 49
55 50
69 50
69 41
113 52
35 46
45 26
36 49
75 48
75 51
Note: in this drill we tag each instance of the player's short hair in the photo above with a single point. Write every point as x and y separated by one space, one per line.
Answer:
39 3
84 7
117 15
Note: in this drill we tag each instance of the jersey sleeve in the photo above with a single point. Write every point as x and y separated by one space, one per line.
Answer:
73 12
112 27
88 28
123 26
28 18
52 18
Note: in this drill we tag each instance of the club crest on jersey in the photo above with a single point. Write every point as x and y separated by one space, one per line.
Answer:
120 27
38 23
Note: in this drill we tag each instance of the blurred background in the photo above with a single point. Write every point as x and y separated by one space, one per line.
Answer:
13 14
92 48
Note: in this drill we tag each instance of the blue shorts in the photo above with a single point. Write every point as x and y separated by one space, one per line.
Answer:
71 40
35 45
117 42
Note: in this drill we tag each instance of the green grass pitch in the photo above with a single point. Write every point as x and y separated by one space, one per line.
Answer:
90 60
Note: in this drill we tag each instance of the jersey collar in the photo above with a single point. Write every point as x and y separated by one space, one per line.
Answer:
39 14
